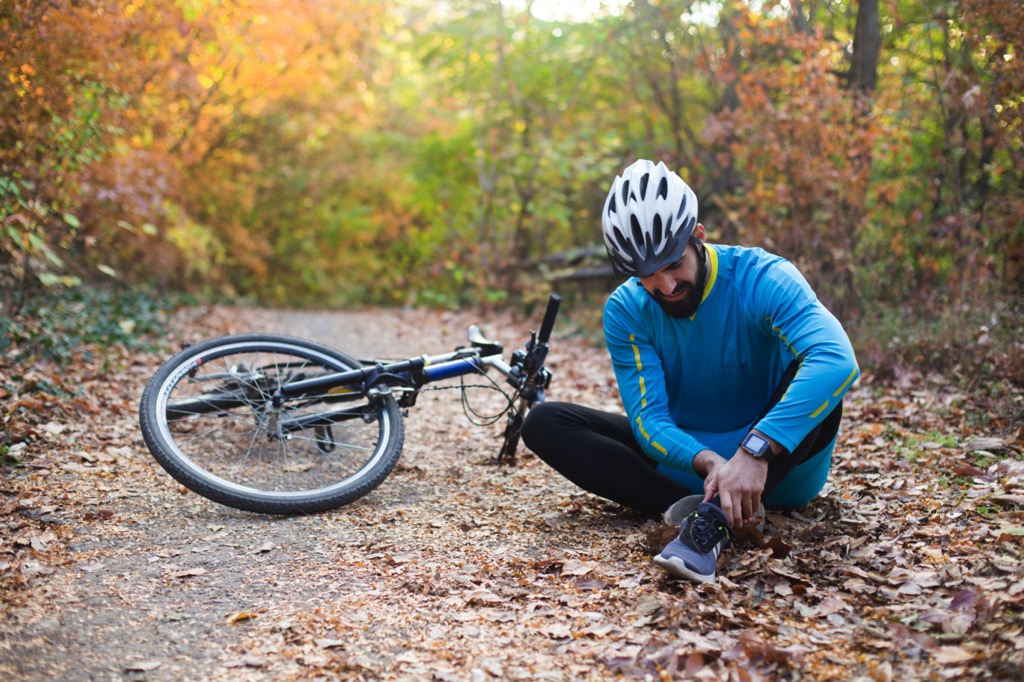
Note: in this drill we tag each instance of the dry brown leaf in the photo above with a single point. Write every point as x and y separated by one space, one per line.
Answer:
947 655
189 573
984 443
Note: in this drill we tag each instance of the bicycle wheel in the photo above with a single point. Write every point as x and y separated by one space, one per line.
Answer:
208 419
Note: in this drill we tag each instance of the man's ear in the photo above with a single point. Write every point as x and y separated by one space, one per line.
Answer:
699 232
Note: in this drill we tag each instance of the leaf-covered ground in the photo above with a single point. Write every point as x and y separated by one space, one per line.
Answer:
908 567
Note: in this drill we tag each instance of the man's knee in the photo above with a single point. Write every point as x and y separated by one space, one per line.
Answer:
539 421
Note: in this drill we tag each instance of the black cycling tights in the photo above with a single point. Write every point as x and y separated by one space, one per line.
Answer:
596 450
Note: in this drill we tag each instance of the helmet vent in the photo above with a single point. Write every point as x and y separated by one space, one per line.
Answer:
638 233
663 190
621 238
657 228
643 184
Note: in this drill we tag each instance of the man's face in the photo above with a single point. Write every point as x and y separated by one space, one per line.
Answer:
679 287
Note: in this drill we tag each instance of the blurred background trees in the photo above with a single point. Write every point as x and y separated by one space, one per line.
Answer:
416 152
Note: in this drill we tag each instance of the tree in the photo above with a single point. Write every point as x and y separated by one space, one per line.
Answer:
867 43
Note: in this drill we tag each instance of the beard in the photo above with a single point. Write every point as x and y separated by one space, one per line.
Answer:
687 306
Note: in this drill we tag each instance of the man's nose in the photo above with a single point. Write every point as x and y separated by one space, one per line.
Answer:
664 283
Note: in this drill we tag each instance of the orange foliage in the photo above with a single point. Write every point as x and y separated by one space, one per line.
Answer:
195 79
803 147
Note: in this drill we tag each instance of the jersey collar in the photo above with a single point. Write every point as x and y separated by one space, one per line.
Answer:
712 271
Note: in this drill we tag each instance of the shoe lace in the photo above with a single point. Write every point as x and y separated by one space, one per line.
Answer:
706 532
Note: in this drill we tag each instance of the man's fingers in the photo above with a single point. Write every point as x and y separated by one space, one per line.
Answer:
710 488
725 503
733 509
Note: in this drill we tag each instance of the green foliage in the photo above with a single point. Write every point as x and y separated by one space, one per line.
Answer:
59 326
6 457
40 190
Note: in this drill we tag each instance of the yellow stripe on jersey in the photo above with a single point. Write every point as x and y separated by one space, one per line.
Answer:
819 410
847 382
643 431
654 444
636 354
639 368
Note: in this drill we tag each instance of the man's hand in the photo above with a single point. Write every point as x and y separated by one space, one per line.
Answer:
737 482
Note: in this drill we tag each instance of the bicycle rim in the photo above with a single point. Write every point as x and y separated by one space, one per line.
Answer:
210 422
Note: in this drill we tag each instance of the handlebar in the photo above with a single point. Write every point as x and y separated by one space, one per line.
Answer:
549 318
530 378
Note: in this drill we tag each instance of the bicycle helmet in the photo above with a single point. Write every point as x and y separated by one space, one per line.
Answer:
647 219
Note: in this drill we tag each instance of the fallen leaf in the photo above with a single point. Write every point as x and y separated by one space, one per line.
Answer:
41 541
575 568
189 573
966 469
590 584
984 443
648 604
329 643
483 597
557 631
30 569
245 662
831 605
946 655
780 548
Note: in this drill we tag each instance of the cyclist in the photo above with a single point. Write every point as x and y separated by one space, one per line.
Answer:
731 372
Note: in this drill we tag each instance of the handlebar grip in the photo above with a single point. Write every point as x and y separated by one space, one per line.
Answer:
549 318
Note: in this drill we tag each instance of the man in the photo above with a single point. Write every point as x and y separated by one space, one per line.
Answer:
732 374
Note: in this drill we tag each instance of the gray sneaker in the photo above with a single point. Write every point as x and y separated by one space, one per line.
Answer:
694 554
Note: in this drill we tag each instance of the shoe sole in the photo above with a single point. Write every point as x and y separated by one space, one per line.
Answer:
679 569
680 509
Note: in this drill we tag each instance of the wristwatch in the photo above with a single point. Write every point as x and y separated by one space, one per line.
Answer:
758 446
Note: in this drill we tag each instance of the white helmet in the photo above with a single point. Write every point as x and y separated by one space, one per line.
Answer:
648 218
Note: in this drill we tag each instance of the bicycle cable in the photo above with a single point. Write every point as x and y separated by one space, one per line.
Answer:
473 415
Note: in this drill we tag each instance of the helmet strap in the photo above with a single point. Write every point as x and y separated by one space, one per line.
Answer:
702 263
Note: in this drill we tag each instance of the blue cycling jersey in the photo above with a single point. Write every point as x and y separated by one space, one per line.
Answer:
701 383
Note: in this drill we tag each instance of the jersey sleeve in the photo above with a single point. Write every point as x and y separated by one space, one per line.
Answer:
641 381
786 307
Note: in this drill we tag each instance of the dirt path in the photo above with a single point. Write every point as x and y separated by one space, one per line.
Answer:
456 570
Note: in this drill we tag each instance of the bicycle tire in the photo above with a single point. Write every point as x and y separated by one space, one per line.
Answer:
207 419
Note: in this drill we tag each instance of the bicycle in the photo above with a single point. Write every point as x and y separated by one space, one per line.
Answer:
279 425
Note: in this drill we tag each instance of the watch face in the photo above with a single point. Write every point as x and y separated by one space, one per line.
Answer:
755 444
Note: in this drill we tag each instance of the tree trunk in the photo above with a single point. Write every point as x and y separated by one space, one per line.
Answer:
867 45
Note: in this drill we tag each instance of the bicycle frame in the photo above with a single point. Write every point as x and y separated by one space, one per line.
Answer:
406 376
374 381
526 374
